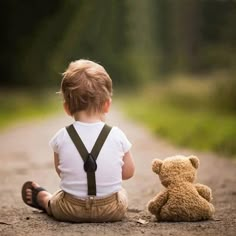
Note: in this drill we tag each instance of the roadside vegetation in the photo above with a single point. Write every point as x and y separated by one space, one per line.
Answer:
195 113
24 105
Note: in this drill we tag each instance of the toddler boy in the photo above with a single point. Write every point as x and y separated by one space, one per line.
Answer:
90 157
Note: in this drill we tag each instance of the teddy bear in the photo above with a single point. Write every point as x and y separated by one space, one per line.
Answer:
181 200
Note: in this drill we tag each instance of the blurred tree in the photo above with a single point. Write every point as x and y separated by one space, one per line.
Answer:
195 36
96 32
218 45
142 51
185 34
20 21
134 40
39 44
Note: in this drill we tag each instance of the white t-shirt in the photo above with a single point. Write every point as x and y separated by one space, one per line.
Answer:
109 161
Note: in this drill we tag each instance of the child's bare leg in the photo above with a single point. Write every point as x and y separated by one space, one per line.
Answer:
43 197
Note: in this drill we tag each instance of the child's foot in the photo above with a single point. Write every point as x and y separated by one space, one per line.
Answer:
35 196
40 195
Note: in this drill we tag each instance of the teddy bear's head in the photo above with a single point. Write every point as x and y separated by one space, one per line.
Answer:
176 169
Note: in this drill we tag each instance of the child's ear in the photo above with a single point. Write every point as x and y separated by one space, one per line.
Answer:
107 105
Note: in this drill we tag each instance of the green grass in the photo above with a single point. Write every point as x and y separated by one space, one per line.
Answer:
182 112
23 105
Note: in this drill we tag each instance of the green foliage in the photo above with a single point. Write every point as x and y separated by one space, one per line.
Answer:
184 112
224 96
22 105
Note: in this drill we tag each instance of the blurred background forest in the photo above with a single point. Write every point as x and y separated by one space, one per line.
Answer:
174 61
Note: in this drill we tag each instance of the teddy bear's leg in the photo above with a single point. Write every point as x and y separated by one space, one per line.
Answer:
207 212
211 211
206 193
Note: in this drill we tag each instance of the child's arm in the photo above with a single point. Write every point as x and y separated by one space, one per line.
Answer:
128 168
56 163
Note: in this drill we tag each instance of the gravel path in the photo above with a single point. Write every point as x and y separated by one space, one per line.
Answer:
25 155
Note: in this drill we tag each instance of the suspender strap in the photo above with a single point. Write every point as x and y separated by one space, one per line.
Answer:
77 142
100 141
90 165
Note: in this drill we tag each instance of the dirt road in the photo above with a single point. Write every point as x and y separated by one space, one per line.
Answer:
25 155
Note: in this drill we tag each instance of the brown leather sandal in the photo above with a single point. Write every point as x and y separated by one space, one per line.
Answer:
35 191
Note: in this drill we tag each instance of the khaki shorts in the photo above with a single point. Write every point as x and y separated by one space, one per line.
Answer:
65 207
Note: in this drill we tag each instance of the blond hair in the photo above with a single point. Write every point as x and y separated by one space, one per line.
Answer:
86 86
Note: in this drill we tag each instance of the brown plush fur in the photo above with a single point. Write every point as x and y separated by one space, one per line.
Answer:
181 200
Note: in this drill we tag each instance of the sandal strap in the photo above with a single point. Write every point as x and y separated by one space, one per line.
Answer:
35 192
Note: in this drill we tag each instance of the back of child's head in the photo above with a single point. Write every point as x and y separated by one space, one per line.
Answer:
86 86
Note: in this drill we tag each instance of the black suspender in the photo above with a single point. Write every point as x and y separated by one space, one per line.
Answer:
90 165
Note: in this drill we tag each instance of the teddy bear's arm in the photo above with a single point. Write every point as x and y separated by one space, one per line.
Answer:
155 205
204 191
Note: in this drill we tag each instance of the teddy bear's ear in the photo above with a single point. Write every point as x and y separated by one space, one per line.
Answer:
195 161
156 165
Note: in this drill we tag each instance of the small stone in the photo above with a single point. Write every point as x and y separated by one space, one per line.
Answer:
141 221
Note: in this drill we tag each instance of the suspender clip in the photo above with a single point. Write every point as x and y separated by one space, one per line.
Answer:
90 164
